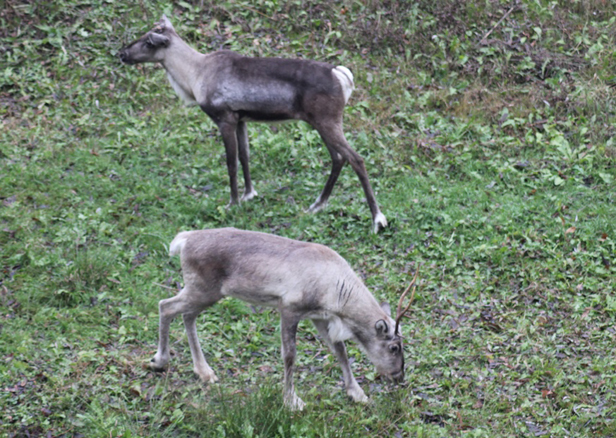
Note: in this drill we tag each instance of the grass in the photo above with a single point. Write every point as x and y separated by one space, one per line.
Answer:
489 143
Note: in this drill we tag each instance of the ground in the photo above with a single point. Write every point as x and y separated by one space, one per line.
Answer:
488 133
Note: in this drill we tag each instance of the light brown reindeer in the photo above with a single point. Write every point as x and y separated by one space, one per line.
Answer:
234 89
302 280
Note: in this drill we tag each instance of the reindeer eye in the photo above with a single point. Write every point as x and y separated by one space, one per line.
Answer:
395 348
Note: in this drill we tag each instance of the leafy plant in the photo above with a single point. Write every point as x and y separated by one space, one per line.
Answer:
487 129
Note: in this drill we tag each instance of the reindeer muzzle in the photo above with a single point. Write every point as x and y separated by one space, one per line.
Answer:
398 377
123 55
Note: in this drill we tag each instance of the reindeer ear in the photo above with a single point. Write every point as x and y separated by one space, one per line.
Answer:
158 40
165 23
381 329
386 308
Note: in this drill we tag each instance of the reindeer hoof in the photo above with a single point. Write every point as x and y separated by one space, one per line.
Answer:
231 204
154 366
295 404
317 206
358 396
249 195
380 221
208 377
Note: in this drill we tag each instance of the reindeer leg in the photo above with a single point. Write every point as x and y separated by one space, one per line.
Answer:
228 131
352 387
167 310
200 365
244 153
337 163
183 303
288 330
333 136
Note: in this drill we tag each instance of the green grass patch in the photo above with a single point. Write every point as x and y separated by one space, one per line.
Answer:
487 130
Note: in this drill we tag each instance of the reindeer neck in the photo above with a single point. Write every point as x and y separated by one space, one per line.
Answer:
361 307
182 66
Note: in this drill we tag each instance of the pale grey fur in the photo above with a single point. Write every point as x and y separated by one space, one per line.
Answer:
302 280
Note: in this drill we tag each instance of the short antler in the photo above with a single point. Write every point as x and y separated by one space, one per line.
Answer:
400 314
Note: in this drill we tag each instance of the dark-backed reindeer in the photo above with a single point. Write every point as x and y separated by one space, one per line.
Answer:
302 280
234 89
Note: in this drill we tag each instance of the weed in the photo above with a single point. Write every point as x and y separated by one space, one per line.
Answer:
487 129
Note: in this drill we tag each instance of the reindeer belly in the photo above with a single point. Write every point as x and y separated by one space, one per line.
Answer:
259 299
273 101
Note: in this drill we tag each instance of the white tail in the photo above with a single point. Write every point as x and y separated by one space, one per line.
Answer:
176 245
345 77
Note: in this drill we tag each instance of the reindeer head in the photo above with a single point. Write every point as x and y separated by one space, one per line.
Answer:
150 47
384 348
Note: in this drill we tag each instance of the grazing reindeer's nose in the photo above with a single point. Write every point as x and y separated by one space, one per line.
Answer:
122 55
398 377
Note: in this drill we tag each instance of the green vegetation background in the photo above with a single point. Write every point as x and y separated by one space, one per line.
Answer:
488 132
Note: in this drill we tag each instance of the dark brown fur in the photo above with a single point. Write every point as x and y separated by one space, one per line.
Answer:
233 89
